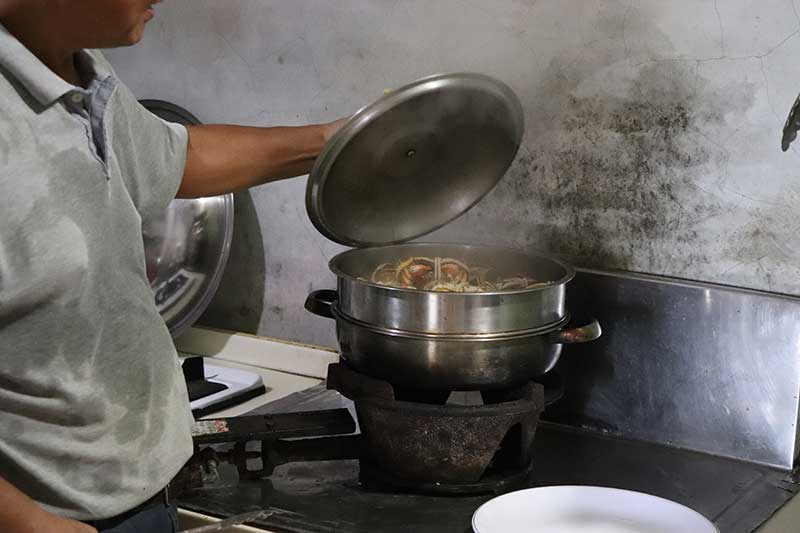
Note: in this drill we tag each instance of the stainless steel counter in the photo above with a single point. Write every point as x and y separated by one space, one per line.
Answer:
705 367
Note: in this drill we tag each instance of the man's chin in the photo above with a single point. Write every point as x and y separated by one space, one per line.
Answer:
134 36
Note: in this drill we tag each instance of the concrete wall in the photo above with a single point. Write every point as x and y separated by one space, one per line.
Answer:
652 142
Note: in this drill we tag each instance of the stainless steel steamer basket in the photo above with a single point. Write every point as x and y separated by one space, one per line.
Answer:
418 311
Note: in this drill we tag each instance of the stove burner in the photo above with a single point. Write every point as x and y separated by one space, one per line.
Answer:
430 447
410 441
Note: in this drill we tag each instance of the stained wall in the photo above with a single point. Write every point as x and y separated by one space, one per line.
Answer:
652 141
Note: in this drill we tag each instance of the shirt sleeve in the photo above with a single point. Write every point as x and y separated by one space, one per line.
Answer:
150 152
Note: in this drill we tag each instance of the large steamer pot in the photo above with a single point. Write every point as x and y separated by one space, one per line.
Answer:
401 167
454 362
448 312
450 341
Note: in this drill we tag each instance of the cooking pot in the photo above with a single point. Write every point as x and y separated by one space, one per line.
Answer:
399 168
445 340
433 362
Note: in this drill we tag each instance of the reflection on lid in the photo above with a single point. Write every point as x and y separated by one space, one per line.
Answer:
181 287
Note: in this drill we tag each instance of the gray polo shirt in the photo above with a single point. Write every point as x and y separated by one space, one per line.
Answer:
94 416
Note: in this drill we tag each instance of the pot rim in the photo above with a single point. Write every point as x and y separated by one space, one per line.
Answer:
465 337
566 278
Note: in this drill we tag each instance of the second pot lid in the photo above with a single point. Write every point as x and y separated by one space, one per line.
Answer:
187 245
414 160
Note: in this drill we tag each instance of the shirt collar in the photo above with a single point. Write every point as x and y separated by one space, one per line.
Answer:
41 82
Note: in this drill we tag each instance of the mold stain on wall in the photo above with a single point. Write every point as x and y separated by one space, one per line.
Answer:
616 180
609 174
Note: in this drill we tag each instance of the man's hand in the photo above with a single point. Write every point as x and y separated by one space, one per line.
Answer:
49 523
20 514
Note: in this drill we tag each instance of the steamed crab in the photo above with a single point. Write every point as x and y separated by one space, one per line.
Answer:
416 272
445 274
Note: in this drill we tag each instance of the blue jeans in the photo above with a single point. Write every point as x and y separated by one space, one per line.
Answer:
159 518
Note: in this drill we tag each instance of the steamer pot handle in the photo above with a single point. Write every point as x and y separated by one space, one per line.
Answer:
578 334
321 301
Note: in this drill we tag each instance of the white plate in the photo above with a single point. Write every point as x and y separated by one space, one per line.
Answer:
574 509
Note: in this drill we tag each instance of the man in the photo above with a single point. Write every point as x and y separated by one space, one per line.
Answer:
94 416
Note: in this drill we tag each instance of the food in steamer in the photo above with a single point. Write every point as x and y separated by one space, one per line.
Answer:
445 274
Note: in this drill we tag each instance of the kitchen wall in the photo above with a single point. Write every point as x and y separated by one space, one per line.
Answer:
652 143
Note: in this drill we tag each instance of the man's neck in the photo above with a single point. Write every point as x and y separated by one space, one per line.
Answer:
44 42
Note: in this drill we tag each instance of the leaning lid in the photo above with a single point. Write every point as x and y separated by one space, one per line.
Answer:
186 246
414 160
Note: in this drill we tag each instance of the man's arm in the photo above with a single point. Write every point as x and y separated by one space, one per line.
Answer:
20 514
222 159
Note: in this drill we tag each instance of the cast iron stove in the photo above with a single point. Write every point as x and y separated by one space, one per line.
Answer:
433 443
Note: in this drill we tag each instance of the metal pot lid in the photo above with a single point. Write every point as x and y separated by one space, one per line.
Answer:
186 248
414 160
